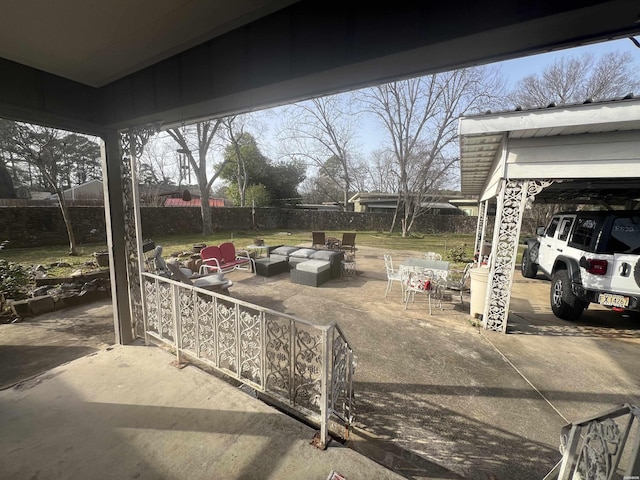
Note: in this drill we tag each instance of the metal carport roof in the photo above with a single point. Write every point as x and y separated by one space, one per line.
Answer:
593 148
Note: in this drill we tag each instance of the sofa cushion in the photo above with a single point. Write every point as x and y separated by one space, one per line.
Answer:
323 255
293 261
302 253
313 266
284 250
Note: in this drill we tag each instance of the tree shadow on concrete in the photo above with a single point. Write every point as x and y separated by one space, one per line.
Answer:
424 432
595 324
20 362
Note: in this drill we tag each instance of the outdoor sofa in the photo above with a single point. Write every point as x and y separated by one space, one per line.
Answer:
307 266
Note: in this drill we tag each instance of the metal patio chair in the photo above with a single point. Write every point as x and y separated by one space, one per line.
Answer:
431 256
460 285
393 275
421 281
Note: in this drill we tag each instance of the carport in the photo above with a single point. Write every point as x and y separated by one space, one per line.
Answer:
584 154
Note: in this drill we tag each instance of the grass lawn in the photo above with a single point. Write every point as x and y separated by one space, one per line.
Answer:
439 243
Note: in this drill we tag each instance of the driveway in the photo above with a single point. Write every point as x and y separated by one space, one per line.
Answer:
437 397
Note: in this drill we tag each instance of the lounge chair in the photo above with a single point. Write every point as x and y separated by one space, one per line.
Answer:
212 282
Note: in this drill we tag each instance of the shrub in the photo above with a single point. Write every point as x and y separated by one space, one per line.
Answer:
13 280
458 253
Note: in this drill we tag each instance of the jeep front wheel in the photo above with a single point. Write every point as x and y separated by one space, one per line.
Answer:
528 268
564 303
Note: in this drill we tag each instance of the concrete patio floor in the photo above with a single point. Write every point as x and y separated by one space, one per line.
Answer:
436 396
127 412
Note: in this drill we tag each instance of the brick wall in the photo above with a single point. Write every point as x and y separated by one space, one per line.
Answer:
26 226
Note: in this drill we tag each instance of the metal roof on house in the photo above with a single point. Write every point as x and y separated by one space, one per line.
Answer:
178 202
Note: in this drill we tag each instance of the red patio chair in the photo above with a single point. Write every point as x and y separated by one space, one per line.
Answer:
232 258
212 260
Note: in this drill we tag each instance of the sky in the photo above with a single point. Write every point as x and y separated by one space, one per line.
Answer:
371 134
514 70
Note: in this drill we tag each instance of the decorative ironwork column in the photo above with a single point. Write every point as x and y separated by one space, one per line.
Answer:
132 143
513 198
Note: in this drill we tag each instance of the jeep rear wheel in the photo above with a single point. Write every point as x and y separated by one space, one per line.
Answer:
528 268
564 303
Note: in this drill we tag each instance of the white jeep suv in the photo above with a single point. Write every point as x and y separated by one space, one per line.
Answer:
590 257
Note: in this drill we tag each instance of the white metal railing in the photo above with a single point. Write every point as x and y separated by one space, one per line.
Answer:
307 367
603 447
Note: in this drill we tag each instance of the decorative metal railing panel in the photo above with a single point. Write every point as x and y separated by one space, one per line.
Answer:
601 448
308 367
343 365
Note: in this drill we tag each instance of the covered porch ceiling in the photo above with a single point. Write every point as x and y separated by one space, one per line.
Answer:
91 65
589 150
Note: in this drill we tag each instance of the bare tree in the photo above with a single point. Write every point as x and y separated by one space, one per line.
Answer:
323 131
381 175
234 129
196 140
51 151
158 164
420 118
578 78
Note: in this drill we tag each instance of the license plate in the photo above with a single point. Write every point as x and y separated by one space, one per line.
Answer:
610 300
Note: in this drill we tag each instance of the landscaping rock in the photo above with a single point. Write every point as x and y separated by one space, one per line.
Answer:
42 304
20 308
40 291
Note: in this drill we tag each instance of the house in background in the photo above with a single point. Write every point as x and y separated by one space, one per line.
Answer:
321 207
92 193
194 202
88 193
37 196
376 202
469 205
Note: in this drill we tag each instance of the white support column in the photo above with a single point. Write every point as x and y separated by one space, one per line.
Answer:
481 228
512 200
114 219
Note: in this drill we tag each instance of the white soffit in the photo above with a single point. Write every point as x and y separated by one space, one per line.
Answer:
97 41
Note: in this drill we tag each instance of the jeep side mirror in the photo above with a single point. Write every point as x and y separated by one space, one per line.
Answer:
540 231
